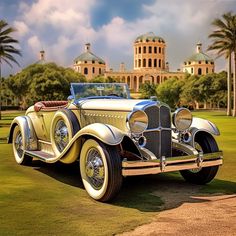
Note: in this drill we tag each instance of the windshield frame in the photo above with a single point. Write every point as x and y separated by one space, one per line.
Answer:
100 97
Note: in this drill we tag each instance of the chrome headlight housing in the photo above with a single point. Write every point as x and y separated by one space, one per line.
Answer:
137 122
182 119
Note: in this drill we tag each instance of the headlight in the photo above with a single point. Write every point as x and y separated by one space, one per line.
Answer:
137 122
182 119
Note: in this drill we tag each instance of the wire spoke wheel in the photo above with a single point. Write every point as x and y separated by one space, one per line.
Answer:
95 168
61 135
100 168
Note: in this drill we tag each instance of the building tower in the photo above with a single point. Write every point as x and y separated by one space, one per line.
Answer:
149 52
199 63
89 64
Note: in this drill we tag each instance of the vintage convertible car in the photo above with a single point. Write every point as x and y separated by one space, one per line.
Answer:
113 136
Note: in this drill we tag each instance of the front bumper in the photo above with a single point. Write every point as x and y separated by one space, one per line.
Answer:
188 162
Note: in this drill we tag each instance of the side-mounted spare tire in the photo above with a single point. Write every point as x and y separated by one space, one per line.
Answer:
63 127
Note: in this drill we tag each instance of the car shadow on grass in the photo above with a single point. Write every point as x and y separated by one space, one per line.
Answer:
151 193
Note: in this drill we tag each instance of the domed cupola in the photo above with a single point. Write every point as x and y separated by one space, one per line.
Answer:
149 52
199 63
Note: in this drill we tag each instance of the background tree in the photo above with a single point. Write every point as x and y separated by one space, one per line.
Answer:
7 51
43 82
224 42
169 91
147 90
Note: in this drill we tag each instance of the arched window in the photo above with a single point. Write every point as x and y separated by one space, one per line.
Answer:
155 49
100 71
159 49
159 63
144 49
85 70
155 63
207 70
139 63
144 62
199 71
139 50
150 62
93 70
150 49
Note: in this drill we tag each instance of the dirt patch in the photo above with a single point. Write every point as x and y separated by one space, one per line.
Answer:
187 212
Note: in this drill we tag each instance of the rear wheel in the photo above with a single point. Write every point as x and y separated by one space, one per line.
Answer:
206 144
19 146
100 168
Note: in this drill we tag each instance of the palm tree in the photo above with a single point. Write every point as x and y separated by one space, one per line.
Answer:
6 50
224 37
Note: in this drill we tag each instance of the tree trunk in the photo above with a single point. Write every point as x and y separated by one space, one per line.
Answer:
0 91
229 87
234 85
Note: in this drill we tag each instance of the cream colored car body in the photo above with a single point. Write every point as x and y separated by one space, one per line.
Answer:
95 121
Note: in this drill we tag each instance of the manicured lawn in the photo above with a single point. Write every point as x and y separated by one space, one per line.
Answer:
45 199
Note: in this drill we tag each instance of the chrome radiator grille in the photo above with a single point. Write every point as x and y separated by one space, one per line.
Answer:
158 133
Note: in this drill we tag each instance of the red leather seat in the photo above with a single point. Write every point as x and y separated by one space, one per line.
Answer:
49 105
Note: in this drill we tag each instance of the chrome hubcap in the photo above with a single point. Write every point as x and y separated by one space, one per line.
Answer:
94 168
61 135
19 144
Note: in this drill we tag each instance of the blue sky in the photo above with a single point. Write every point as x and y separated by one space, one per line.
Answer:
62 28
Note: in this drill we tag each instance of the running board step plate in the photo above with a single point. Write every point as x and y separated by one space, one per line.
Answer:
44 156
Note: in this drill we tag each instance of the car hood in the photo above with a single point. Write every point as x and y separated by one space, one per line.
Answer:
112 104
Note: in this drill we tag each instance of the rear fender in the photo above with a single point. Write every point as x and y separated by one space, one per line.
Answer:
27 130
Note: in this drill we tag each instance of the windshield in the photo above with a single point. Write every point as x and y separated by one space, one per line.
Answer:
84 90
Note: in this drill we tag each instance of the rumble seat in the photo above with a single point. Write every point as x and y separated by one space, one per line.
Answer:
49 105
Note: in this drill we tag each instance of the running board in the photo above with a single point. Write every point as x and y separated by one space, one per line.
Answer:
43 156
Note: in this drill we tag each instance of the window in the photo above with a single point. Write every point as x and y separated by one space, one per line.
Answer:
189 62
93 70
159 49
93 62
139 50
191 70
159 63
199 62
85 70
85 61
206 70
144 49
135 63
139 63
100 71
149 62
144 62
136 50
155 49
155 63
199 71
206 62
150 49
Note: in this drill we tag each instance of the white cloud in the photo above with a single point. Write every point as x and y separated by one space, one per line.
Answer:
22 28
34 44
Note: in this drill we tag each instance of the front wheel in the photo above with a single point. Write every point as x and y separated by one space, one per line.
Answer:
206 144
100 168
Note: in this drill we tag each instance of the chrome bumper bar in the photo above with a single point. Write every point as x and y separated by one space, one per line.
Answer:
130 168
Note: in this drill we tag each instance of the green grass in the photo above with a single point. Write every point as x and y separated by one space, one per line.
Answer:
45 199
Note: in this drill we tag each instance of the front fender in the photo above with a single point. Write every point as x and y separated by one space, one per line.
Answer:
199 125
106 133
